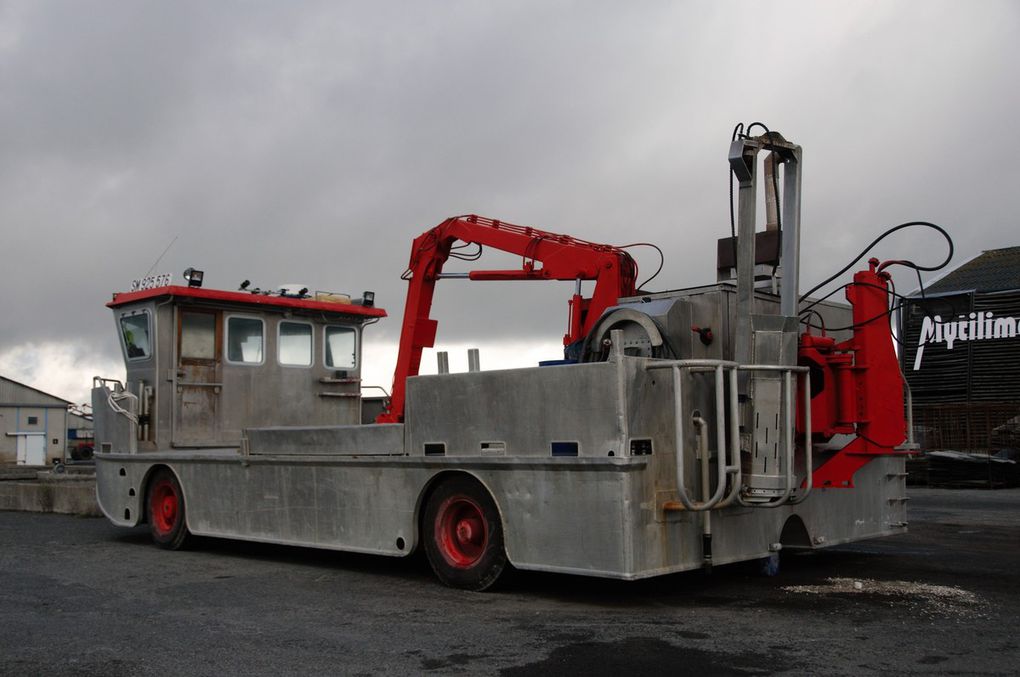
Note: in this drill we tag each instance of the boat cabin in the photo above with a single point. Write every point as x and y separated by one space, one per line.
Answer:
204 364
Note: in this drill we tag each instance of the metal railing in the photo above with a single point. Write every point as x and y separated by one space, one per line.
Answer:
788 434
116 395
729 454
728 464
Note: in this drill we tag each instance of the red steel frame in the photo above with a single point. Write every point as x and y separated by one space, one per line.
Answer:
247 298
862 392
561 257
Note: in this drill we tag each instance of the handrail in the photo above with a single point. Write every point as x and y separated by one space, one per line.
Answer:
721 467
788 429
728 465
100 381
669 364
911 443
115 395
724 468
809 469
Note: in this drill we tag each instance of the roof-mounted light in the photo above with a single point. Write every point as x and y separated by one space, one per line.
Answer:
194 277
367 299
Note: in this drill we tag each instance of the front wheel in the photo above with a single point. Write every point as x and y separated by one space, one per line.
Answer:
464 535
165 503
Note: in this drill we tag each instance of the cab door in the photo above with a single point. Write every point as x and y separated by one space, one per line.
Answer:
198 400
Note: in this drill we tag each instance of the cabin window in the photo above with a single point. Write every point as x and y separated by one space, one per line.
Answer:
341 346
295 344
245 338
134 331
198 336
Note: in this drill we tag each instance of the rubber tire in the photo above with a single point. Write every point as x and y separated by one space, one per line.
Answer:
172 535
491 563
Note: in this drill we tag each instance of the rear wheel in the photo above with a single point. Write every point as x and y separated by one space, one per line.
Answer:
464 535
165 504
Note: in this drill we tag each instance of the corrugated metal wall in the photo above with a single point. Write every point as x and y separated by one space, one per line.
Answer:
944 374
15 393
995 364
962 395
977 426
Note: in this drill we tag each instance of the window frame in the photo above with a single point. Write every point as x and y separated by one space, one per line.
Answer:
311 344
217 330
357 346
148 328
226 339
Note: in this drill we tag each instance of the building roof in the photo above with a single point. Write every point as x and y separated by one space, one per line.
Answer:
78 421
15 393
993 270
246 298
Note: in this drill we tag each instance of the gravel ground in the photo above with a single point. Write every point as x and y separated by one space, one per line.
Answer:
81 597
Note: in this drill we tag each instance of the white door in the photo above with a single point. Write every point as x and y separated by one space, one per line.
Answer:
31 450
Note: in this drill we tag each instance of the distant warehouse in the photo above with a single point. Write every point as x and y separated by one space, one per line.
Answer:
37 428
961 355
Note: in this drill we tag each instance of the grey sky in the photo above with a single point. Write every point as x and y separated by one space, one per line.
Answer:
310 142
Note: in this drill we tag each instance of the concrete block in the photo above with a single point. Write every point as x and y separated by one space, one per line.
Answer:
66 497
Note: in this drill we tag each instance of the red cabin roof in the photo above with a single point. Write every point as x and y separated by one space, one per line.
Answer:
246 298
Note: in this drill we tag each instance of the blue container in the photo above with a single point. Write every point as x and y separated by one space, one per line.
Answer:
555 363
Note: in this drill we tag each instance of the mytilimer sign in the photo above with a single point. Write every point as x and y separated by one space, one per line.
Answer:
974 327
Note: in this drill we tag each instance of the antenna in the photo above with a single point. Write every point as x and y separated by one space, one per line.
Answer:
160 258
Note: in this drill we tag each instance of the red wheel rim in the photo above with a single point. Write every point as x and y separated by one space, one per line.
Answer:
163 507
461 531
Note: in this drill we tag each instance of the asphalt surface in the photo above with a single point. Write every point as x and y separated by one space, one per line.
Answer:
79 596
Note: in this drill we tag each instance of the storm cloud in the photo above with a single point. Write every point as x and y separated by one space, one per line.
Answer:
311 142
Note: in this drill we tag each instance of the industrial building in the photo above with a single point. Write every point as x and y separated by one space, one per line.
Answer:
33 425
961 355
80 435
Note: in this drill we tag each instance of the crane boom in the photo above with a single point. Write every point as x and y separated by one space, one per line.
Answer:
545 256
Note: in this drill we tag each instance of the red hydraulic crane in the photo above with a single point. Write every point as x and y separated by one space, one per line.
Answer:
545 256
